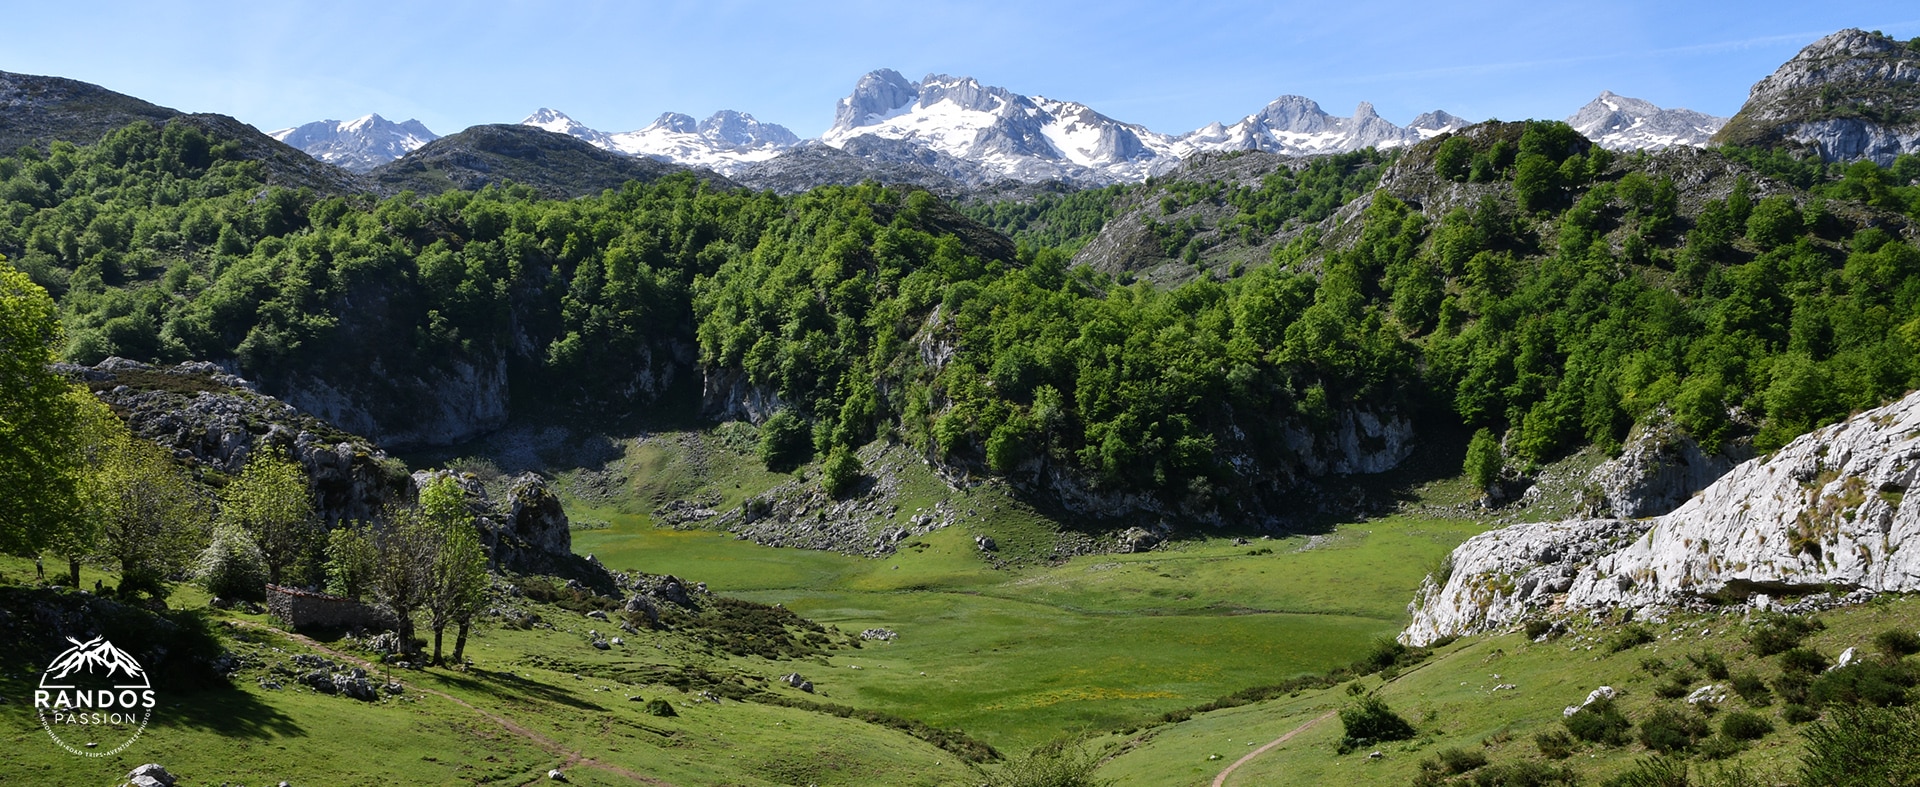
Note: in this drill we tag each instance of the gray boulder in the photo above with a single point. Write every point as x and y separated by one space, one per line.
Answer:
149 775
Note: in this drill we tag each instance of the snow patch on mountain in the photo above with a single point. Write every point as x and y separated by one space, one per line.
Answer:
357 145
723 142
1617 122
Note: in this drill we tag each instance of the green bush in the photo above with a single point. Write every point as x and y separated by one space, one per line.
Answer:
1897 643
1632 636
1058 764
1669 731
1554 744
1710 663
1457 761
786 442
1599 722
1525 773
661 708
1653 772
1862 747
1720 747
1796 713
1865 683
1805 661
1745 725
1370 721
1752 689
1780 633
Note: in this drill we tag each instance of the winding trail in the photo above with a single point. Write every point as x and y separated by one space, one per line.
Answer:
1221 780
568 757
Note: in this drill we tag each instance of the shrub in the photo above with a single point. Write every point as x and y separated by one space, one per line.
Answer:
1554 744
786 441
660 707
1710 663
1461 760
1780 633
1652 772
1897 643
1672 688
1752 689
1669 731
1792 688
1863 746
1525 774
1720 747
1795 713
1537 628
1653 665
231 566
1805 661
1599 722
1745 725
1370 721
1864 683
1483 461
1629 637
1058 764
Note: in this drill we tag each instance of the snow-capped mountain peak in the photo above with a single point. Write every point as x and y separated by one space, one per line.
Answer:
1622 123
357 145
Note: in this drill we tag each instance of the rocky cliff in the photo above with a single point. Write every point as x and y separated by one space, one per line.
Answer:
213 421
1823 513
1852 95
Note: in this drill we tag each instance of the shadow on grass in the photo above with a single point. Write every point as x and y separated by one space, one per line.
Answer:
177 648
510 687
225 711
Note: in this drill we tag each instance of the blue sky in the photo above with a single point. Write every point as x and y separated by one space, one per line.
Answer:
1172 66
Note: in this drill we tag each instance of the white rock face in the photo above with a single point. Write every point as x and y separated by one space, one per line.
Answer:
1826 510
1658 469
1504 575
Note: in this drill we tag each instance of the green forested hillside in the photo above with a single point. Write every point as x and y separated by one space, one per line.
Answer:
1563 295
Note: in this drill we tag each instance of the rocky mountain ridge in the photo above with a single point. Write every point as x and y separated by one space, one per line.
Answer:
953 129
725 142
1617 122
1851 95
1824 513
357 145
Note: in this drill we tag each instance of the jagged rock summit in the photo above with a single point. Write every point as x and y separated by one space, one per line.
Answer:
1297 126
725 142
1617 122
1849 96
357 145
1007 134
1826 512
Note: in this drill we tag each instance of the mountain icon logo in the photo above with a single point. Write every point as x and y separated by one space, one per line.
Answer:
94 694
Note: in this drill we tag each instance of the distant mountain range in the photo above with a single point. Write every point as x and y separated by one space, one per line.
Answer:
357 145
945 130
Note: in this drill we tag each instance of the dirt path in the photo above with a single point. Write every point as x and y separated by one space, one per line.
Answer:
568 757
1221 780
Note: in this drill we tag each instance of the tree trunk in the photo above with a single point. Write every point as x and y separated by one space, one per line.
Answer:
437 631
404 629
460 645
73 572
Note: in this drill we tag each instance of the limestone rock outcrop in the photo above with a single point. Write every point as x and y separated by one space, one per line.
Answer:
1824 512
1851 95
1658 469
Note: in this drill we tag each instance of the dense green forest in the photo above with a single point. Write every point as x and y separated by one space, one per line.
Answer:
1578 294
